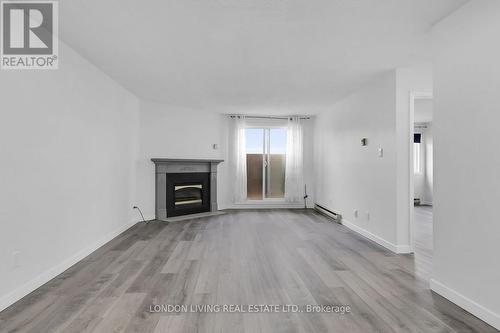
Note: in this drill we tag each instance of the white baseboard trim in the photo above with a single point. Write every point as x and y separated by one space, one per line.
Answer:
400 249
261 205
466 303
25 289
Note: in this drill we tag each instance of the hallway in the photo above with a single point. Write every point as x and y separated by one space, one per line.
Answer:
423 241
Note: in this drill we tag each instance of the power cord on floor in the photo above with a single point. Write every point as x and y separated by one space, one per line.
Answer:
135 207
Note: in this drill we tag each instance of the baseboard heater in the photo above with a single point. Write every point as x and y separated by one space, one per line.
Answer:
336 217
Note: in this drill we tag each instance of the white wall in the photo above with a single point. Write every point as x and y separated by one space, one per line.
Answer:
68 141
423 112
467 163
350 176
428 189
173 132
419 180
309 178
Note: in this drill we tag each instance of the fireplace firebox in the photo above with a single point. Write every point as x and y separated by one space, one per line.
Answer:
187 193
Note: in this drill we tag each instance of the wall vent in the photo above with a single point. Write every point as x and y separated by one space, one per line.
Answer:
336 217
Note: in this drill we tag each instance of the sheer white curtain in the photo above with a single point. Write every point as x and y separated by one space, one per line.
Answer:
239 159
294 177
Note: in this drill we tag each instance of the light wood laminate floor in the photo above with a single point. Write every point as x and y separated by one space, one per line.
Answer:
243 257
423 241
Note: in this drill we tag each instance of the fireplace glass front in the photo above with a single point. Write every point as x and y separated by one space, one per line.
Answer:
188 195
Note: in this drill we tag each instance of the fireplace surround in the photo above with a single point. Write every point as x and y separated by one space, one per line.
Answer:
185 186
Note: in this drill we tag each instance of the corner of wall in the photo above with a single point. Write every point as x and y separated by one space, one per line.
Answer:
399 249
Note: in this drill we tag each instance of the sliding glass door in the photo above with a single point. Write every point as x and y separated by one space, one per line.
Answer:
255 162
266 159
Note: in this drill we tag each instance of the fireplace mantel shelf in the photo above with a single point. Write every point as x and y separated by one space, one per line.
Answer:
182 160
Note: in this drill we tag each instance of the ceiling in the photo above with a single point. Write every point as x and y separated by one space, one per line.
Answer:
253 56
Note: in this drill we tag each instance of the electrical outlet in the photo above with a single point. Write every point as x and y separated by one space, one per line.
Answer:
215 146
356 213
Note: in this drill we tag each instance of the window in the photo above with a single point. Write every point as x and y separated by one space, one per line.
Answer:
417 143
266 158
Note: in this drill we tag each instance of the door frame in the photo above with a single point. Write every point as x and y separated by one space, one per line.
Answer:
414 95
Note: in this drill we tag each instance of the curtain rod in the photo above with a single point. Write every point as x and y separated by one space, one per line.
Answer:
267 117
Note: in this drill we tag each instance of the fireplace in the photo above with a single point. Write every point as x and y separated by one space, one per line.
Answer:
187 193
185 186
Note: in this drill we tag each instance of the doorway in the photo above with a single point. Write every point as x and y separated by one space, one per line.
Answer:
266 161
423 184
